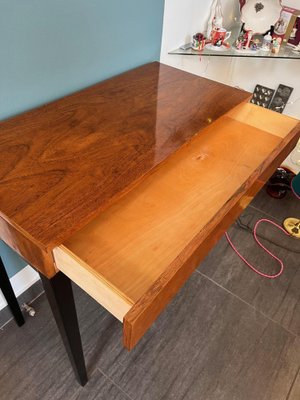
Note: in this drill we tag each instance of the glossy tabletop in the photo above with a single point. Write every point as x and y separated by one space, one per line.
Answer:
63 163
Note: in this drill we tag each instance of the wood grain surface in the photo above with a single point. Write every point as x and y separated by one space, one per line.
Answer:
63 163
148 243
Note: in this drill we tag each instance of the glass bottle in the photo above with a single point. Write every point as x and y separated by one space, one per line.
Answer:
218 18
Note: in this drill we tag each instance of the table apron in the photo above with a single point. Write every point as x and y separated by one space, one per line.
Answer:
27 249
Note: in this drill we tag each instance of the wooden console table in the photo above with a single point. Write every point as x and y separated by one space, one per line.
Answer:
125 186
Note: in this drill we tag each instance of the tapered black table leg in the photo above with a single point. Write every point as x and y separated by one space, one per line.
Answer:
9 295
60 296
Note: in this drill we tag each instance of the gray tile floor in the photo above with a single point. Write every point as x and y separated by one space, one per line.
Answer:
228 335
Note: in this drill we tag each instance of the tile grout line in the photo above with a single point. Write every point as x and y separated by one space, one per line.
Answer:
6 323
263 212
248 304
293 384
114 383
81 388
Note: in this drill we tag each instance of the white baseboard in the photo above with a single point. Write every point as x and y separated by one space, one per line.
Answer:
21 282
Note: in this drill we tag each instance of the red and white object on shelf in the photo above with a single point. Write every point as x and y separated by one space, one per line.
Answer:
215 19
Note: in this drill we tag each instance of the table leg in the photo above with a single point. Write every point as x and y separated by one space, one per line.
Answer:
9 295
60 296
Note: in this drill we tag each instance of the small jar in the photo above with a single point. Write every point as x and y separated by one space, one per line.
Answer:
198 42
267 43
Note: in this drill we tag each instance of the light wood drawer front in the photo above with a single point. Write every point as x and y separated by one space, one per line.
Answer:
91 282
135 256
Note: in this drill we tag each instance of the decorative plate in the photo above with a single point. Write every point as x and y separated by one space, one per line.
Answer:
260 15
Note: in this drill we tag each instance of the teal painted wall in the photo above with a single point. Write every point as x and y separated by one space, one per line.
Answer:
49 48
11 260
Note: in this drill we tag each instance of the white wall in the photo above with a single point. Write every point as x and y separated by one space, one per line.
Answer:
20 282
184 18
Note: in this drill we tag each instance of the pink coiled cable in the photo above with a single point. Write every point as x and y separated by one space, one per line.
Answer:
262 246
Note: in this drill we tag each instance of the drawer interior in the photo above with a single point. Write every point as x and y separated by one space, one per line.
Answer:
126 254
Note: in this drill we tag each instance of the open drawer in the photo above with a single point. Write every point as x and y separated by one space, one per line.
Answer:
134 257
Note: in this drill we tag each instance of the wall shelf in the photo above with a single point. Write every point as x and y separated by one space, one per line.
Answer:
286 52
